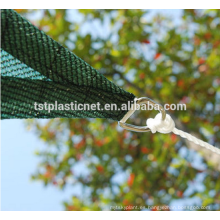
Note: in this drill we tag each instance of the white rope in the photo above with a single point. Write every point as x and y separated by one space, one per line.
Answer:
166 126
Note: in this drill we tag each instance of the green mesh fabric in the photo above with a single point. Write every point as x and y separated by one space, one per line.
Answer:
35 68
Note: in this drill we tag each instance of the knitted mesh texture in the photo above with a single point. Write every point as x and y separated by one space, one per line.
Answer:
35 68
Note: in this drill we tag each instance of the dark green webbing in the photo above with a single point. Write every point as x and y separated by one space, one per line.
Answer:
35 68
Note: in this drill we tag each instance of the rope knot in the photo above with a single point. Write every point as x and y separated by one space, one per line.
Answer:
162 126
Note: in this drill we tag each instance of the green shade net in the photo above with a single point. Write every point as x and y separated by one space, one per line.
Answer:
35 68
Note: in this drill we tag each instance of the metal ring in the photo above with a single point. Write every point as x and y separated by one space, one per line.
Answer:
143 100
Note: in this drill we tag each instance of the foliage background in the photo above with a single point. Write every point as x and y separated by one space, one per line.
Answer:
153 57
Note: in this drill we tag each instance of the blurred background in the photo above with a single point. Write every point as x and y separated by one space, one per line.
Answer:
170 56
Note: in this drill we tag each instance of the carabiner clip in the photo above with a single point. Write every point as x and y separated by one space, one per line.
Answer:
140 101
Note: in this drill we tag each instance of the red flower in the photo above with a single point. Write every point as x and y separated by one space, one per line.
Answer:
180 83
173 137
216 43
125 202
201 61
142 76
99 143
207 35
179 194
157 55
100 168
131 179
80 144
70 208
144 150
155 208
197 41
145 41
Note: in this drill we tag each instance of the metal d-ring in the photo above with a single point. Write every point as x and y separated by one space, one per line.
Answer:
140 101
